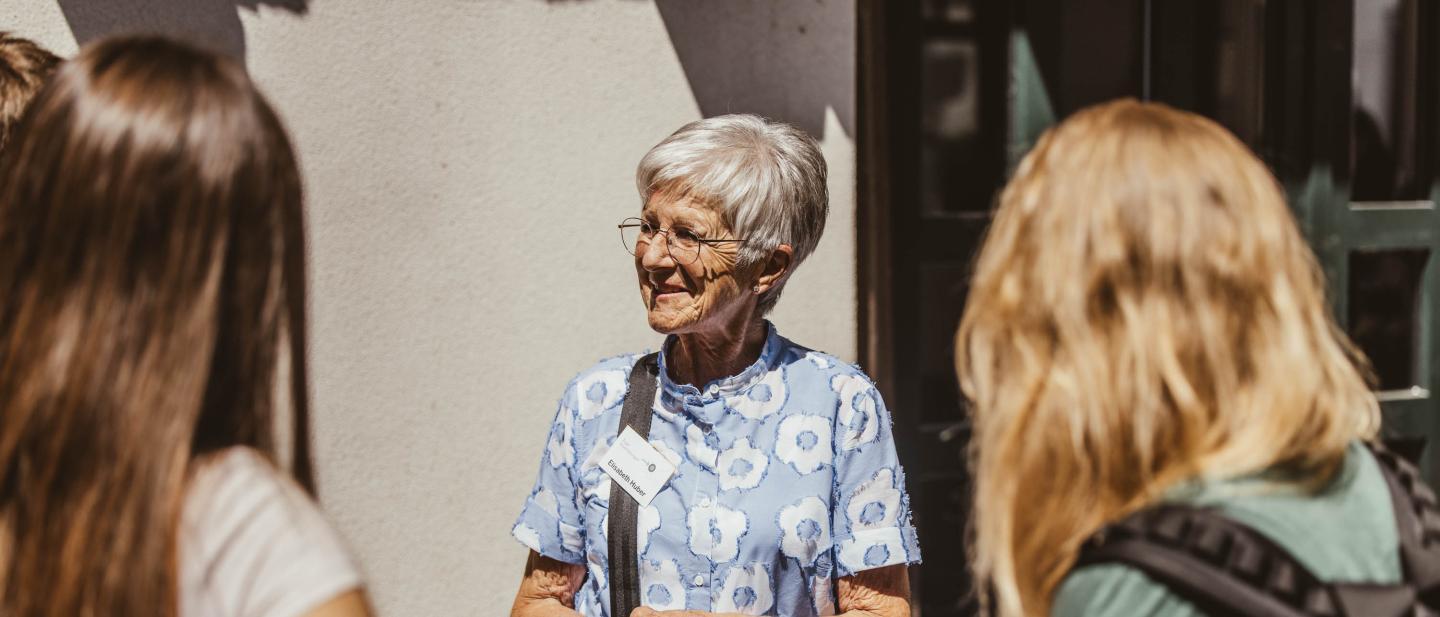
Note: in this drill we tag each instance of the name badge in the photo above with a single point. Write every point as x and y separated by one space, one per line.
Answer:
637 467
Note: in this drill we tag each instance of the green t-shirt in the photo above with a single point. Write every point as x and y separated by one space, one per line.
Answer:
1344 533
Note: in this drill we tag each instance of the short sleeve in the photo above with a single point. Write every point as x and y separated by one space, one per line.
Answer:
253 544
1111 590
550 522
871 516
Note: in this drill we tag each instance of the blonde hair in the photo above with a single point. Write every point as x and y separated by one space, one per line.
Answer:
1143 311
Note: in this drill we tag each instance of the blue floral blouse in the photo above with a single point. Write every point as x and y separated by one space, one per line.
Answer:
786 479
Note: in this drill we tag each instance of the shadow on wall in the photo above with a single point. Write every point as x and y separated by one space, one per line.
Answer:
212 23
783 60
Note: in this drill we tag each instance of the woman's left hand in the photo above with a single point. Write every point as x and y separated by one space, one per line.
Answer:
882 592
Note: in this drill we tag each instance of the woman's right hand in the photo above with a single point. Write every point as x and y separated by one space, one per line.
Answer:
548 589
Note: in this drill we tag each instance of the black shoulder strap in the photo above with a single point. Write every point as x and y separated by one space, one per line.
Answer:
624 510
1220 566
1417 522
1226 568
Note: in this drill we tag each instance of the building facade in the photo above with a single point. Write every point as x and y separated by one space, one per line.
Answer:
466 163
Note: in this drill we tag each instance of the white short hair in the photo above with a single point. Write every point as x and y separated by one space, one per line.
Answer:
767 177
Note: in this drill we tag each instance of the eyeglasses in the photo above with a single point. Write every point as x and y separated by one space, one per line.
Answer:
682 244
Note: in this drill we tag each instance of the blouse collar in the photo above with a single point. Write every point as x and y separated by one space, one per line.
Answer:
708 404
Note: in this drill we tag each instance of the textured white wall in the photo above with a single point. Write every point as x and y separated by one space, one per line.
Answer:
466 163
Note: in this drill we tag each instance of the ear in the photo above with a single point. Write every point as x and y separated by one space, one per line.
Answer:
774 269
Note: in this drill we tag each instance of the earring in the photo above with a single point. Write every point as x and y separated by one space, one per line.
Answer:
755 289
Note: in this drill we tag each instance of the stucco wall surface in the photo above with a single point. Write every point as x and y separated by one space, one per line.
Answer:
466 163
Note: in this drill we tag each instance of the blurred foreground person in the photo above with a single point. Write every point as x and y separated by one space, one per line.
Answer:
1148 327
24 67
152 271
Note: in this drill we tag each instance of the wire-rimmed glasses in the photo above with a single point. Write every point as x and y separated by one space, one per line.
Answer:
684 246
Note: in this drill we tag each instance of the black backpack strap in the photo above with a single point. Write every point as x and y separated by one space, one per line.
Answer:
1220 566
1224 567
1417 522
624 510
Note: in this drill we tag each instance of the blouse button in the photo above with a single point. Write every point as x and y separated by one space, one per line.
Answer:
698 581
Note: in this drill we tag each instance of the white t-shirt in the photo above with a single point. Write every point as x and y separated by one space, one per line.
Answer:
253 544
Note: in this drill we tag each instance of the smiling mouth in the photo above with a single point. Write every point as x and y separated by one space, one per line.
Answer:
669 290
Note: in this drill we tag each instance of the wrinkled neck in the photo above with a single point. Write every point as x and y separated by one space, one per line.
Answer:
702 357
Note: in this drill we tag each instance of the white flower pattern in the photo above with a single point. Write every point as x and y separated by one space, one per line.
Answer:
873 549
526 534
803 442
660 586
598 568
805 529
599 391
819 360
732 528
761 399
858 413
717 537
596 489
875 504
747 590
741 466
572 538
701 446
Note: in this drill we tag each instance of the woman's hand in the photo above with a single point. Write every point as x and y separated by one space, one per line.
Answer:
548 589
882 592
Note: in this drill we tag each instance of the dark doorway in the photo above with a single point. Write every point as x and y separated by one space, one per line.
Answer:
952 93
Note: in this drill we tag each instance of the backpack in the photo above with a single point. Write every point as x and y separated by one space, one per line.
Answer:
1226 568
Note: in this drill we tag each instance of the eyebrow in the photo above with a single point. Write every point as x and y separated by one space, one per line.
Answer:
684 220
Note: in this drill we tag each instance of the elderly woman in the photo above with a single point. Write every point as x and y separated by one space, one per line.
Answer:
786 497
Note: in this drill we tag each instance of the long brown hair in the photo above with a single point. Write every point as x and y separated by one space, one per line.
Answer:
1144 311
152 271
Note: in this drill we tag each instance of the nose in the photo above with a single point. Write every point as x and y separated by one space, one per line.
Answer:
656 254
